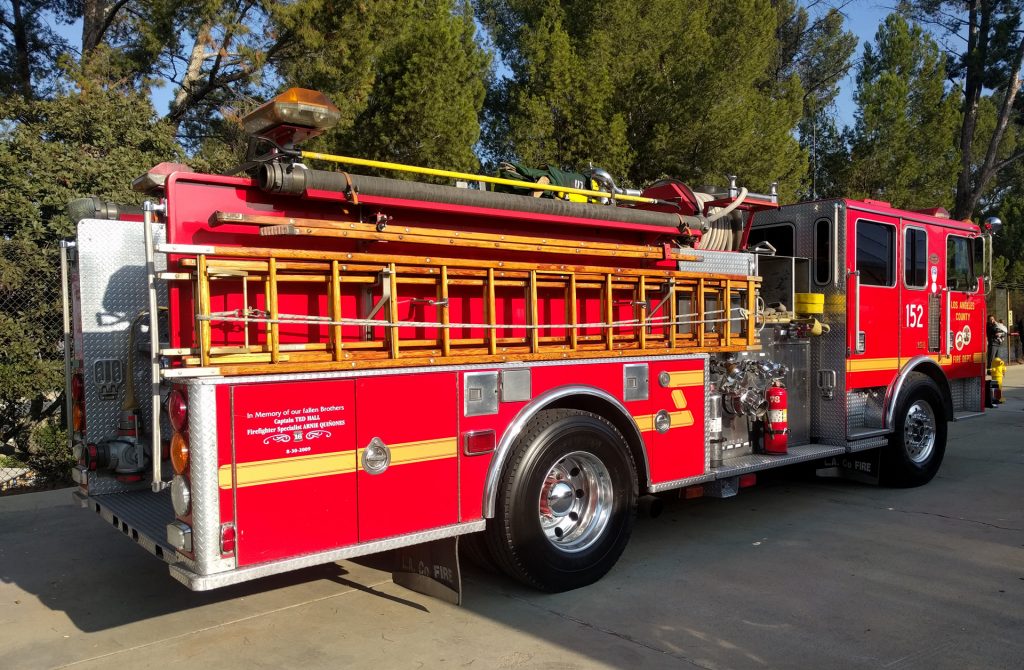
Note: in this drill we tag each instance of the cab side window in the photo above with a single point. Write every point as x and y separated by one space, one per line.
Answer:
960 264
915 258
779 236
876 253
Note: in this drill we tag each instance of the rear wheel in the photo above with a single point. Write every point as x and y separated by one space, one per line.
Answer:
566 506
918 442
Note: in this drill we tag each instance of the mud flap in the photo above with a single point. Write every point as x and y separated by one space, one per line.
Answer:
859 467
431 568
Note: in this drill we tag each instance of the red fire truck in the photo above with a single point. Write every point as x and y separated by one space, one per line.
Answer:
305 365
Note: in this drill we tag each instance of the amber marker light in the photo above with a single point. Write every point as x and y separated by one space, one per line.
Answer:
179 452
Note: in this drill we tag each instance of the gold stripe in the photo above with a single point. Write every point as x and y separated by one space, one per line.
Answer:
423 450
645 422
291 468
689 378
288 469
872 364
679 399
978 357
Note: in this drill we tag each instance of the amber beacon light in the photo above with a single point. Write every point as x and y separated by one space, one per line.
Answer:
292 117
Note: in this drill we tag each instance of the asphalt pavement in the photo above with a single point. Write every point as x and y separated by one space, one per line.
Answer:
793 573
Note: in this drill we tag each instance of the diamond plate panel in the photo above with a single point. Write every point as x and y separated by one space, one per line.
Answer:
966 394
828 352
202 430
111 265
719 262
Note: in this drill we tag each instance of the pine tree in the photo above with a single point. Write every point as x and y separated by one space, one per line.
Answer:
408 76
690 93
904 148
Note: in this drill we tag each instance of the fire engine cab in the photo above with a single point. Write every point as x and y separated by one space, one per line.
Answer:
304 365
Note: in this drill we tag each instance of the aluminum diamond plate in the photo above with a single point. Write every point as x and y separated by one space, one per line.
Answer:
112 255
202 429
719 262
828 352
966 394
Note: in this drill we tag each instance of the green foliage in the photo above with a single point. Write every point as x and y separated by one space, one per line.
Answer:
693 93
49 455
89 142
407 75
904 146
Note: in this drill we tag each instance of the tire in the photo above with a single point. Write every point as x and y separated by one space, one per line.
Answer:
918 442
567 502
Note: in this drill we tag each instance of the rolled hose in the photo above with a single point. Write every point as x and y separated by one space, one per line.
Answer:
96 208
278 178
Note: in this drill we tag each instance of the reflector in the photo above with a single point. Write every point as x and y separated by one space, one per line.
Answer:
480 442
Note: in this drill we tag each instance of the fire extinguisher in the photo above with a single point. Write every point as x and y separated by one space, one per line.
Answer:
776 424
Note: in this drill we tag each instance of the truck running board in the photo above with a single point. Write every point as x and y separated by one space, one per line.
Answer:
742 465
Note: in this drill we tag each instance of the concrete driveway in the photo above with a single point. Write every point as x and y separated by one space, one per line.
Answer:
792 573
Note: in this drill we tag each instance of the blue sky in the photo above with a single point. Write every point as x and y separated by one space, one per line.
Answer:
862 17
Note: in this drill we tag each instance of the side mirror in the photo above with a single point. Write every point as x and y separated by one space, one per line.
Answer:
992 225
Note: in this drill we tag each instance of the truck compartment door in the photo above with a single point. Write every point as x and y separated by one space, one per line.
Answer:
408 453
294 468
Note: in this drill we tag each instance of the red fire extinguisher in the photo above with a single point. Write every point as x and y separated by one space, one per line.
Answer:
776 424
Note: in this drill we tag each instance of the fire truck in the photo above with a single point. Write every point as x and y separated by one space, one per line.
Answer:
302 364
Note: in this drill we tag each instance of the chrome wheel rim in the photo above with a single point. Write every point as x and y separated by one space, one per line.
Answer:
576 501
919 432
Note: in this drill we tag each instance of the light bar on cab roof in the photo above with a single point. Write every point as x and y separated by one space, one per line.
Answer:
296 108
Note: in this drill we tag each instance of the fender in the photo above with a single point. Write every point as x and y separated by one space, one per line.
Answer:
542 402
926 366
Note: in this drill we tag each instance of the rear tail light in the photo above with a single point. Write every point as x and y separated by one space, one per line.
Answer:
177 409
77 403
179 452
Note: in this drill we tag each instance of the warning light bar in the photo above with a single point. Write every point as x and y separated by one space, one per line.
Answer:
292 117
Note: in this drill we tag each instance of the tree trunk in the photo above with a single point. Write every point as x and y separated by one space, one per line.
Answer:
22 65
977 41
184 98
94 24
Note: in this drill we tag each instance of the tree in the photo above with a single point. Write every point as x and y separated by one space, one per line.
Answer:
989 59
906 122
29 47
818 51
89 141
408 76
692 93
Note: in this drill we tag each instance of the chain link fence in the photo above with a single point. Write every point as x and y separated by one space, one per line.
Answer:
1007 305
33 445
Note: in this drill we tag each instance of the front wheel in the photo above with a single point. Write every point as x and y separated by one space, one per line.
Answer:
918 442
567 502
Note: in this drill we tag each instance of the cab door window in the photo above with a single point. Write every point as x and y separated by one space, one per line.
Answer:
876 253
960 264
915 258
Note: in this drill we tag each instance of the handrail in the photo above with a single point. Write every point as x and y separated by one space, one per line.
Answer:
149 208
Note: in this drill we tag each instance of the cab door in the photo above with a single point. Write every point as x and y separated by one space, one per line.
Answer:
873 334
965 337
920 313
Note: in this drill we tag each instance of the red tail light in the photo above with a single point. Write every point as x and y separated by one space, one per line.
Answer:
177 409
77 403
